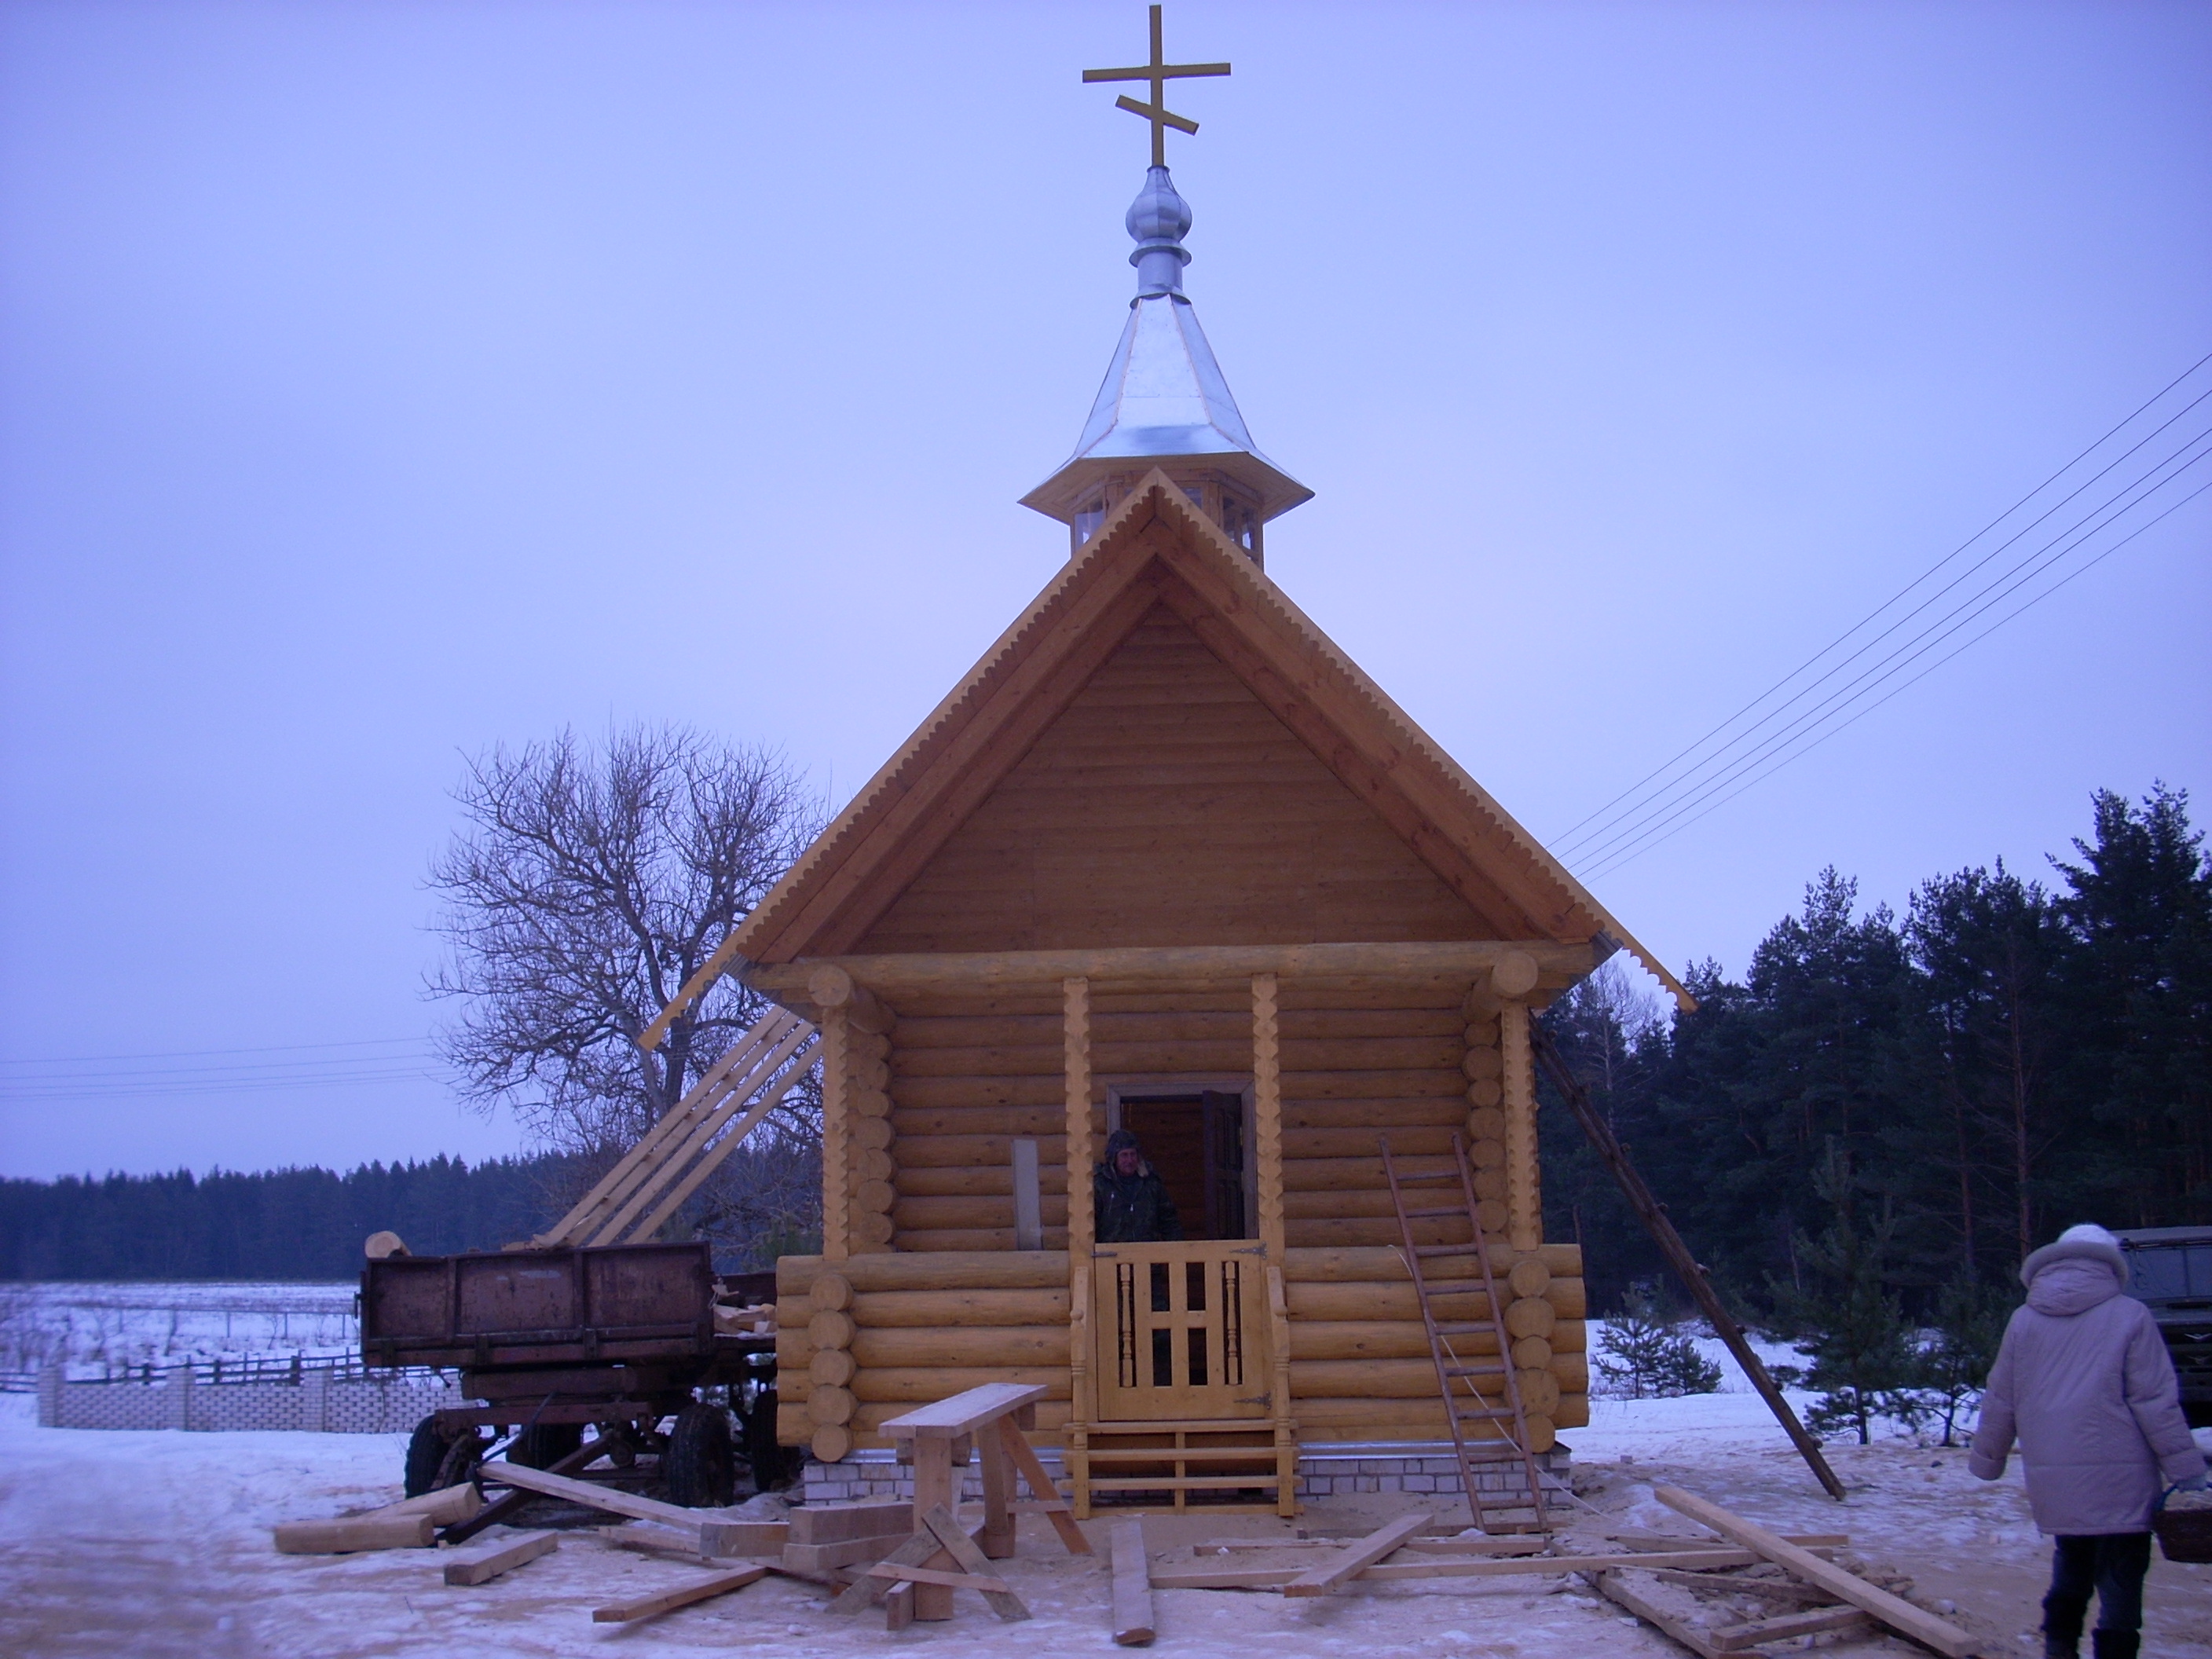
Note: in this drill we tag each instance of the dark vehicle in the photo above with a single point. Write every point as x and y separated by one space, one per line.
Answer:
620 1339
2170 1271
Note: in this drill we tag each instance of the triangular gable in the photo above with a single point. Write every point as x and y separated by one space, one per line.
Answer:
1157 549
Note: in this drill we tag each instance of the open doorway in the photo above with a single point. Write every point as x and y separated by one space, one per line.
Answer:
1198 1141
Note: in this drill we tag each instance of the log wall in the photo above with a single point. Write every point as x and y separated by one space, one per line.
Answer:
889 1332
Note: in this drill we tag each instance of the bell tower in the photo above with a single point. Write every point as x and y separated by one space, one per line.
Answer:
1165 402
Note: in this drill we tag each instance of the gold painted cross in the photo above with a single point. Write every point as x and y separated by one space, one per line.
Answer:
1159 74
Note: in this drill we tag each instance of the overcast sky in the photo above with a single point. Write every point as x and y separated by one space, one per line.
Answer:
380 382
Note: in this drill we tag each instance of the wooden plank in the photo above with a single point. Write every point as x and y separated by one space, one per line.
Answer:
359 1534
623 1613
940 1521
1048 1502
718 1534
964 1413
445 1506
866 1591
906 1573
845 1553
1737 1638
1325 1577
1667 1540
835 1524
1446 1567
1133 1588
485 1566
898 1606
1898 1613
1609 1585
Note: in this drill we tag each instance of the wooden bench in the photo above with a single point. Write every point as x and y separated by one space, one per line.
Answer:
989 1415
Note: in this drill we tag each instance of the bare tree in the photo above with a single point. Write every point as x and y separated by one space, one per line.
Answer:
585 887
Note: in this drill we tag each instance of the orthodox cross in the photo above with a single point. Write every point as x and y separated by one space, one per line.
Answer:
1159 74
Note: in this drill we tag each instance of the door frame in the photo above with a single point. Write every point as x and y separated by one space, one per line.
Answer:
1153 1087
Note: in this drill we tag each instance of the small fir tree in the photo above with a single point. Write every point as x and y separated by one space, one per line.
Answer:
1863 1362
1957 1350
1644 1355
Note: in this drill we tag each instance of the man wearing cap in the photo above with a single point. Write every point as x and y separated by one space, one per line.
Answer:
1130 1201
2085 1382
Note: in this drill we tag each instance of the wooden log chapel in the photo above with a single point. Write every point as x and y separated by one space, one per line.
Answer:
1167 860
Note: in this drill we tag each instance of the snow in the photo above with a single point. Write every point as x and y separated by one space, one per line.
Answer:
94 1330
157 1544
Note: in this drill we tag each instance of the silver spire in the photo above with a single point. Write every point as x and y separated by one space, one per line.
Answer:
1165 401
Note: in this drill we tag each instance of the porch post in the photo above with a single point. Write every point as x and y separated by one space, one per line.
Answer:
1524 1214
1268 1114
1082 1225
837 1138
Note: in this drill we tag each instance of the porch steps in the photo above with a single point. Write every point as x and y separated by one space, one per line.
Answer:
1466 1404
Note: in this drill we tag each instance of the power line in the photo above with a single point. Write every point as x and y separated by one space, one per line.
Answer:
195 1054
1650 809
1615 864
1663 805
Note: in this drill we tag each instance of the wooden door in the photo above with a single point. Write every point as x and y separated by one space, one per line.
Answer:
1182 1332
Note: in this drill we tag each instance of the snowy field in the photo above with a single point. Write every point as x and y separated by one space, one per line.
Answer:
157 1544
101 1330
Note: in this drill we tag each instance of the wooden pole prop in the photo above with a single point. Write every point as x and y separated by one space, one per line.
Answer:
1653 1214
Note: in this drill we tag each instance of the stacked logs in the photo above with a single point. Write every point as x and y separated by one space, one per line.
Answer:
860 1028
912 1328
907 1329
1359 1355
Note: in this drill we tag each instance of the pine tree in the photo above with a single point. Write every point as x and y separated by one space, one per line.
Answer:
1644 1355
1862 1359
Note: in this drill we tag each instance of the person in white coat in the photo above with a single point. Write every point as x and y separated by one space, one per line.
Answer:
2083 1380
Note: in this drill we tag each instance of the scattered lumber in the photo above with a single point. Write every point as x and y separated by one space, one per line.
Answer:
1894 1611
719 1533
911 1575
1133 1585
359 1534
898 1606
1740 1638
623 1613
1609 1585
1667 1540
1446 1567
651 1537
1325 1577
487 1564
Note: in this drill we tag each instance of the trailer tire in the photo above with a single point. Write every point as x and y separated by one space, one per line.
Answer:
426 1454
542 1445
701 1462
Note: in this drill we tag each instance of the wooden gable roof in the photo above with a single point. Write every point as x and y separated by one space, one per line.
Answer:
1158 552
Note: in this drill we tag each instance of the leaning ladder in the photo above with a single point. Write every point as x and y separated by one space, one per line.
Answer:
1459 1412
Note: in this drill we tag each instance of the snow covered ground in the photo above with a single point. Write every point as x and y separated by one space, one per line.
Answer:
157 1544
96 1330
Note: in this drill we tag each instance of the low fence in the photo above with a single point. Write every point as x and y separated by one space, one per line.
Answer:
330 1396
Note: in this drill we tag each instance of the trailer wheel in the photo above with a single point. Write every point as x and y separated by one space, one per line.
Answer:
426 1454
701 1462
462 1459
542 1445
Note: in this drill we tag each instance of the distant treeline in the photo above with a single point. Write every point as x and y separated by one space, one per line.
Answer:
1949 1088
305 1224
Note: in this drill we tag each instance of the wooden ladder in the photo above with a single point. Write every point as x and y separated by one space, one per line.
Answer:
1474 1408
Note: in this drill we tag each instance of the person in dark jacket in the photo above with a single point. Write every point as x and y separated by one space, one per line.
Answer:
2085 1385
1131 1202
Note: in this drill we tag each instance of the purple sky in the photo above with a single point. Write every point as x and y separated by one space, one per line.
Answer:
377 382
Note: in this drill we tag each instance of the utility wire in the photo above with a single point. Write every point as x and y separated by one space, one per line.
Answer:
1823 736
1688 790
1642 813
